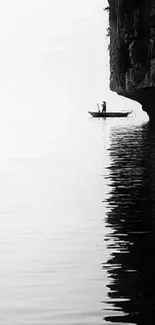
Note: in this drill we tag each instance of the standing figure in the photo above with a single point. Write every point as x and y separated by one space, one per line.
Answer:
103 107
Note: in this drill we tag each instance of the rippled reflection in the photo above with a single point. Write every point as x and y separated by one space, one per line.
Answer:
131 221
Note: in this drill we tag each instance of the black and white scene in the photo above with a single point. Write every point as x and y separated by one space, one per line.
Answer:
77 162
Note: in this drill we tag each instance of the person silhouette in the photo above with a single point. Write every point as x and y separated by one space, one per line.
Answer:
103 107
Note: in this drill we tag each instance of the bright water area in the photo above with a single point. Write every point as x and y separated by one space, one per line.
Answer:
77 222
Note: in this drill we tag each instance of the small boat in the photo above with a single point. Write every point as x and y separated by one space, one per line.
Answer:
109 114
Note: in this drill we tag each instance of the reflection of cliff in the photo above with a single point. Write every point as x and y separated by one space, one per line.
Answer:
132 221
132 50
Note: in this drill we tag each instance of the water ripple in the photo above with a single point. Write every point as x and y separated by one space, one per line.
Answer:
130 219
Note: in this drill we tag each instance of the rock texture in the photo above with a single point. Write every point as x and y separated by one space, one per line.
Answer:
132 50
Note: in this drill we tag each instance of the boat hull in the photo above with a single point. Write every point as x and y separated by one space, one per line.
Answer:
109 114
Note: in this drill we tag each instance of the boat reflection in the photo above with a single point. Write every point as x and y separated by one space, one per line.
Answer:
131 225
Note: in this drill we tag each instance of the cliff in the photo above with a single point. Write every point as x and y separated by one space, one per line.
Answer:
132 50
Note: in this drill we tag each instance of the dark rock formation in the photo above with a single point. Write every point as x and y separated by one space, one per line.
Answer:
132 50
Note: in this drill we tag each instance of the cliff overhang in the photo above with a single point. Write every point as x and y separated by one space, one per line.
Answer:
132 50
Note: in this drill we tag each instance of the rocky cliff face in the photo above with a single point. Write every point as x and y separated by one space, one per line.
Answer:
132 50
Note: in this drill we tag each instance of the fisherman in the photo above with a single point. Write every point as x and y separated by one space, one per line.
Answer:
103 107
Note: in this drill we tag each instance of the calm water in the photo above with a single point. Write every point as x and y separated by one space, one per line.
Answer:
77 222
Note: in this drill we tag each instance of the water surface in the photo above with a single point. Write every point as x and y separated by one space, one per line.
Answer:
77 222
131 224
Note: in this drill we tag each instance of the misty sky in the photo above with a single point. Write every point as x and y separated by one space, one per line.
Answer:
50 52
